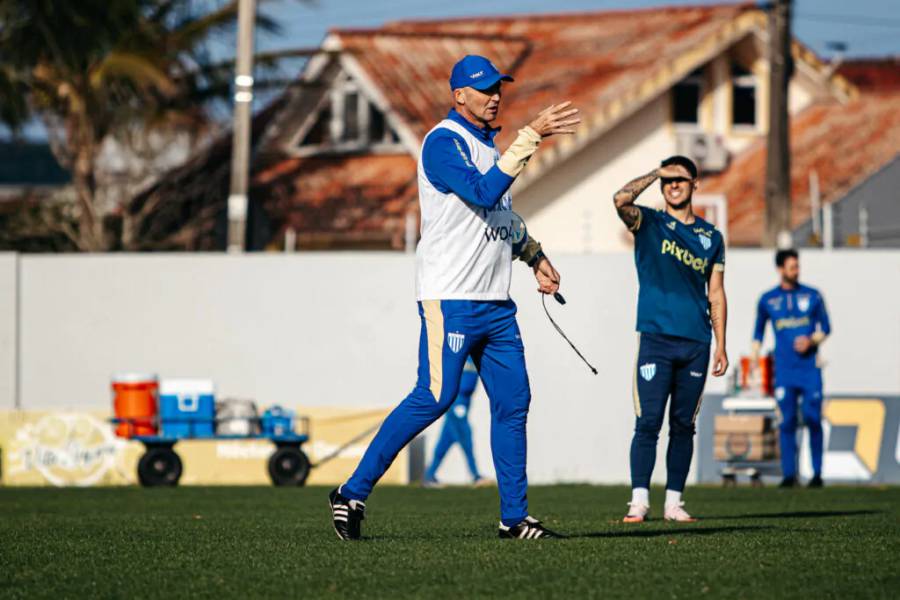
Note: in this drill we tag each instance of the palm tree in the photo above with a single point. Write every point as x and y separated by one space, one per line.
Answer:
95 70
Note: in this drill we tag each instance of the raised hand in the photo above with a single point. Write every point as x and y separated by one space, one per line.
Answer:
673 172
556 118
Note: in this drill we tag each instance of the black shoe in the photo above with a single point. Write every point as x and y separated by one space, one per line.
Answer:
346 515
529 529
816 482
788 482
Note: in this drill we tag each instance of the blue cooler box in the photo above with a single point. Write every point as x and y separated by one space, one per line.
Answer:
278 421
187 408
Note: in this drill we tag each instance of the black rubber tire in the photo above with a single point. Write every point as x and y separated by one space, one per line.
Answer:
159 467
288 466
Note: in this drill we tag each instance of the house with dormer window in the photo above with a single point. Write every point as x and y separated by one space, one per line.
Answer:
334 159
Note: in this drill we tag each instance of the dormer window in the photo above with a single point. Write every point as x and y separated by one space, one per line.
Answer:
743 97
346 121
686 95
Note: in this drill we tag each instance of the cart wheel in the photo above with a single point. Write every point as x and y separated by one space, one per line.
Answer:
729 480
159 467
288 465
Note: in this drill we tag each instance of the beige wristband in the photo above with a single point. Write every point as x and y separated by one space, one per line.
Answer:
516 156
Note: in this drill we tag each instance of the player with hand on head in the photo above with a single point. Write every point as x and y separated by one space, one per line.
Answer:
800 323
464 264
680 260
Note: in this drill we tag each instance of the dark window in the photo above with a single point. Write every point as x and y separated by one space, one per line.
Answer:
351 117
376 125
743 97
356 130
686 99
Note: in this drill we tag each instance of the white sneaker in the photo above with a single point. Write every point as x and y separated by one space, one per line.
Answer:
637 513
676 512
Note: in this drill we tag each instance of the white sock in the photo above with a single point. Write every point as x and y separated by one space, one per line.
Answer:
673 498
640 496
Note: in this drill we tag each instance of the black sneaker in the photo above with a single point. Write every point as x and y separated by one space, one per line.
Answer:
787 482
816 482
346 515
529 529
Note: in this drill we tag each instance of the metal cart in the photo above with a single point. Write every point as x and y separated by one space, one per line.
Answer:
755 470
160 465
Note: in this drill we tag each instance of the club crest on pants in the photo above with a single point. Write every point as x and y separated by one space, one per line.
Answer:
455 341
648 371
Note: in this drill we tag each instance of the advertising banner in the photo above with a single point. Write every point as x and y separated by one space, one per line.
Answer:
862 440
69 448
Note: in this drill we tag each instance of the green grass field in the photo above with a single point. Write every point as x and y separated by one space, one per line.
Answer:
276 542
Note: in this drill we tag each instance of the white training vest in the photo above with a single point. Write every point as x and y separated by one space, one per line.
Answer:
466 251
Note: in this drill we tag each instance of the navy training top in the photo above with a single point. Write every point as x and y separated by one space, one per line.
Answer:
674 264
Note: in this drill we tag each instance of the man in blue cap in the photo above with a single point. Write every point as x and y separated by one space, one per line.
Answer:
463 271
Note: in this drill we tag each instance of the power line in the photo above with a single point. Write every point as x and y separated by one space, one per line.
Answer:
849 20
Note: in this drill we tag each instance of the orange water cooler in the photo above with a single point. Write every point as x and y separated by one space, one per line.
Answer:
135 401
758 377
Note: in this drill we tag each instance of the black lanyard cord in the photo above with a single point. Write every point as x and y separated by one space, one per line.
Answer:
559 330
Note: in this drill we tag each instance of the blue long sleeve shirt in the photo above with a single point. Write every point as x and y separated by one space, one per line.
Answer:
448 165
794 313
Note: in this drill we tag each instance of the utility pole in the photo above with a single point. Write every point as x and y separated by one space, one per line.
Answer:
778 158
240 148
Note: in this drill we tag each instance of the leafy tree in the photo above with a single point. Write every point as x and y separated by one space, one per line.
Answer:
96 71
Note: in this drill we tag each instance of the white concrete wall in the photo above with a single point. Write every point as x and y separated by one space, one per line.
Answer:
342 329
8 324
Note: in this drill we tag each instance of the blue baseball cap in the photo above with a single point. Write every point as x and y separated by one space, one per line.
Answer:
477 72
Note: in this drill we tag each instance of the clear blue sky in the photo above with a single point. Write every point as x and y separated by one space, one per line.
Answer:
868 27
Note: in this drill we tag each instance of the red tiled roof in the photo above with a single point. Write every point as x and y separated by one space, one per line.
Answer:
412 69
604 62
358 201
588 58
844 143
591 59
873 73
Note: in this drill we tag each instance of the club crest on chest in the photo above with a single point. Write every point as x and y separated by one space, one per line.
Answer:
705 241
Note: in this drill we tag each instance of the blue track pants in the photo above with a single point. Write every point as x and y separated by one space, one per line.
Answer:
667 366
788 388
451 331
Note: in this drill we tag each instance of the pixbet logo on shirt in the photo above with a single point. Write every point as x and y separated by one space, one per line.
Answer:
684 255
791 323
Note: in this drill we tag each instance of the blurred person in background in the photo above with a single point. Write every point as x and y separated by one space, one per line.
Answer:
456 430
800 323
463 271
680 261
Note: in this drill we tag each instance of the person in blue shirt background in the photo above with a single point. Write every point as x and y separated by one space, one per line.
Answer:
800 323
456 429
